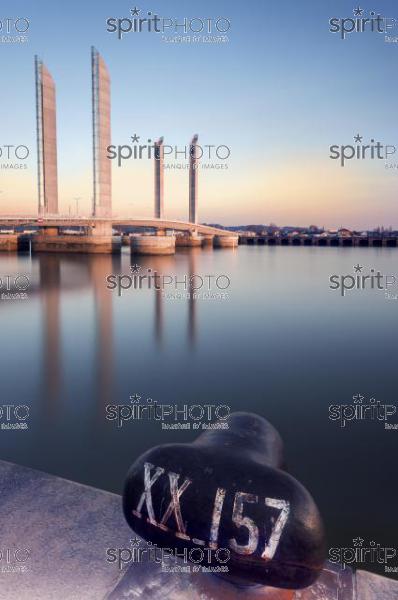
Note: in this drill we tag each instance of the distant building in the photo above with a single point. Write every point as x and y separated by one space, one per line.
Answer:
246 233
344 233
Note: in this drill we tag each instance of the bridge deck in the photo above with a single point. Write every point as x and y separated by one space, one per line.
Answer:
60 221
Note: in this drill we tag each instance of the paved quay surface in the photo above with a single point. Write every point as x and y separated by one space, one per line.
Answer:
66 527
54 535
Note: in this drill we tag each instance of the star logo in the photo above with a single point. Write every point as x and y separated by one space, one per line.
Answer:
358 542
358 398
135 268
358 11
358 268
135 11
135 398
358 138
135 138
135 541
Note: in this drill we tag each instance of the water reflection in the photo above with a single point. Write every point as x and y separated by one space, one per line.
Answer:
59 274
49 284
192 299
166 266
99 267
91 272
282 346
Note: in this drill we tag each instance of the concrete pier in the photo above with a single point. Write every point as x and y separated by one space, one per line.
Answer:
84 244
97 240
188 241
49 231
226 241
9 242
153 245
207 241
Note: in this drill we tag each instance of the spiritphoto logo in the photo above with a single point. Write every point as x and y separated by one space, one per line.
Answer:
361 410
362 150
14 157
14 287
363 21
171 560
14 417
202 29
14 30
208 156
364 281
195 286
14 560
362 552
171 416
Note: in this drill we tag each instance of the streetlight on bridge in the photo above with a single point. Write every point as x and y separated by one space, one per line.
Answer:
77 204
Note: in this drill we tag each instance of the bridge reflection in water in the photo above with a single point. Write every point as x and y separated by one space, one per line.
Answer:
60 275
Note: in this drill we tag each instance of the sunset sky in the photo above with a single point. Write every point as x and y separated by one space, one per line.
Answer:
279 93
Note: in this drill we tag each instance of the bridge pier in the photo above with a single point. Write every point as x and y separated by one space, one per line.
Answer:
99 228
192 240
49 231
226 241
97 240
9 242
207 241
153 245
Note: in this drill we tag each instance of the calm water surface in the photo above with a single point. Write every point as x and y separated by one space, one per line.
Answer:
283 346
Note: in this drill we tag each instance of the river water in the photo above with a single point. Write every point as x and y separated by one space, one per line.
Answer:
276 340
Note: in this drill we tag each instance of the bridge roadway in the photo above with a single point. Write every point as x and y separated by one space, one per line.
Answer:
66 221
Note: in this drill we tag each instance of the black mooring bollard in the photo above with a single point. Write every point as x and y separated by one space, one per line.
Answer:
227 493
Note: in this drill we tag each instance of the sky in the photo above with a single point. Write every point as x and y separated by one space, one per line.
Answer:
279 93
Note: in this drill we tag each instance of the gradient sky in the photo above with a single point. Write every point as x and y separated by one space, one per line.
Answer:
278 94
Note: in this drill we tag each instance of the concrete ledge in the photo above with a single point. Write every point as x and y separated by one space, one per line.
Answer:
372 587
61 531
66 527
334 584
144 584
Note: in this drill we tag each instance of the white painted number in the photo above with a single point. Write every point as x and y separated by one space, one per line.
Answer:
241 521
273 542
215 521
